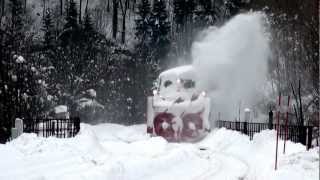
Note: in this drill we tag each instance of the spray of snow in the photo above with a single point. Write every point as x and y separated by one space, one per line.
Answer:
232 63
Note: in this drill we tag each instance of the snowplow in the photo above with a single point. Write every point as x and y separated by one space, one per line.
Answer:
178 109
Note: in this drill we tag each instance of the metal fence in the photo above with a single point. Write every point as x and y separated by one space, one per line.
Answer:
301 134
61 128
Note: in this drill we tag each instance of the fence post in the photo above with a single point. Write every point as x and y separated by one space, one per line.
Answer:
245 129
52 128
270 119
19 126
238 126
309 136
286 126
278 129
77 125
17 130
302 134
247 112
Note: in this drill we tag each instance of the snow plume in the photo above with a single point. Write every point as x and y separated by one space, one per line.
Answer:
232 63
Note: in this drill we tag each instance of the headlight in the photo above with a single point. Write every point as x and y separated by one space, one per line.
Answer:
178 80
155 92
203 93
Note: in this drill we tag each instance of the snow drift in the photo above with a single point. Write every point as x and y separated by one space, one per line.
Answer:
115 152
232 62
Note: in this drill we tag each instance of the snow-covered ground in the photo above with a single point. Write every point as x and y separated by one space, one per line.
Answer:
115 152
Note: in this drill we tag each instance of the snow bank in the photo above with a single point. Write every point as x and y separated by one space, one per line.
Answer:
115 152
259 155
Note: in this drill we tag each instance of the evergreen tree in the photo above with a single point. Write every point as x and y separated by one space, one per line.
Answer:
160 33
88 30
179 11
16 29
48 29
12 42
141 70
183 16
183 10
233 7
143 29
71 30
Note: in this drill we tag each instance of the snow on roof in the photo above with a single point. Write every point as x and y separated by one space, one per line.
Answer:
85 102
247 110
20 59
178 71
92 93
60 109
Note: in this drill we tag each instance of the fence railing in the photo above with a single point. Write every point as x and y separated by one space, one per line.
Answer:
301 134
61 128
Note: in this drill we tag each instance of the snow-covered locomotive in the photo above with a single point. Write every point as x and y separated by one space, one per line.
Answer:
178 110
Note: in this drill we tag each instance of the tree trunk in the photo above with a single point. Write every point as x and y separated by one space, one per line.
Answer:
86 9
44 8
134 4
2 7
108 6
80 9
123 34
67 6
61 7
300 102
115 19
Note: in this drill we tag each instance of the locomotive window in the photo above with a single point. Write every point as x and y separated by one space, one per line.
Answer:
187 84
167 83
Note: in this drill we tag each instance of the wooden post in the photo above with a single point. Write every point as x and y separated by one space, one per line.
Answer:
270 124
245 129
278 117
309 137
247 112
52 128
286 126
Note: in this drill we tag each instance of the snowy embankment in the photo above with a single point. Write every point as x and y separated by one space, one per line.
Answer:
110 151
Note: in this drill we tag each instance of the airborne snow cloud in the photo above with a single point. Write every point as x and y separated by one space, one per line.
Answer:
232 63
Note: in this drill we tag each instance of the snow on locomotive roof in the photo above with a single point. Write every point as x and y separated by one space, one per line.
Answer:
60 109
179 71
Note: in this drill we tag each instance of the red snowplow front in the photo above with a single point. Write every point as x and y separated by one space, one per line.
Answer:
177 111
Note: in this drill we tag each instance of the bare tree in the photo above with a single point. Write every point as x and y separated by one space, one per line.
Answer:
86 8
44 8
115 19
25 6
80 9
61 7
2 7
124 7
108 6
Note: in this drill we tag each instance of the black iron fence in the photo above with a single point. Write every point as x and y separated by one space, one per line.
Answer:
301 134
61 128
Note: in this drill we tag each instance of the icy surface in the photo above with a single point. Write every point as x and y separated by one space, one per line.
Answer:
116 152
